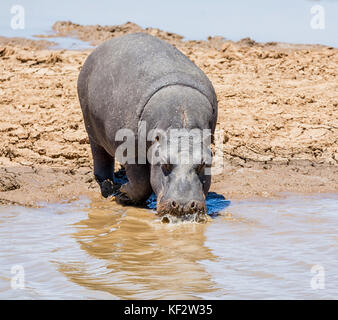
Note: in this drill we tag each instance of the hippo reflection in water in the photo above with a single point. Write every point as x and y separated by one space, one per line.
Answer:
138 79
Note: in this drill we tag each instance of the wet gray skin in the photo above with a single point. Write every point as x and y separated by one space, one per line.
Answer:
141 78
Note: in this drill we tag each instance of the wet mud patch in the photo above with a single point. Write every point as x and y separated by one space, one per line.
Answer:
8 182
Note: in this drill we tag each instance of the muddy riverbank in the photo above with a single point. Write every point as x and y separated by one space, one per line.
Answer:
277 107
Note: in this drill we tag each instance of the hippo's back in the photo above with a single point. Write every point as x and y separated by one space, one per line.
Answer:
120 76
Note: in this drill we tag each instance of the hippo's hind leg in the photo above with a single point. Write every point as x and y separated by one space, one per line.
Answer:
103 169
138 189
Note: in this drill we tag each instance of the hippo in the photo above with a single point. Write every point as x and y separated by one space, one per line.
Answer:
138 78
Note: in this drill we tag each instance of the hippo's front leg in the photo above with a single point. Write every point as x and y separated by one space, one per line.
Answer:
103 169
138 189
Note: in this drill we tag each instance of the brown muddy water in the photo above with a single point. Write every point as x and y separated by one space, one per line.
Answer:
95 249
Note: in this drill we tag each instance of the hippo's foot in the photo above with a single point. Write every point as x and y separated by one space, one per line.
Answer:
108 188
123 199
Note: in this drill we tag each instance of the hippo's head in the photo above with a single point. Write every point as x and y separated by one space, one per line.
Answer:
179 176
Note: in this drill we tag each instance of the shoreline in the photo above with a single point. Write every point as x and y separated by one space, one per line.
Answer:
31 186
277 106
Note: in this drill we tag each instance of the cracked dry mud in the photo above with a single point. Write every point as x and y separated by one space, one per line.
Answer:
277 107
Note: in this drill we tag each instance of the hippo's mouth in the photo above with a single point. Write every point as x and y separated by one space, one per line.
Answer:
195 217
169 214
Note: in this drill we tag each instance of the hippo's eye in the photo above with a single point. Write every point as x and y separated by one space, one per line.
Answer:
200 168
167 168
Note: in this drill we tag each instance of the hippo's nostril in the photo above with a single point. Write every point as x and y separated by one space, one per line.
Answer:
174 204
192 204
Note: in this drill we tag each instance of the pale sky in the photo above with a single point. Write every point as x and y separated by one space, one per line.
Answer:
262 20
